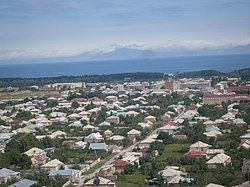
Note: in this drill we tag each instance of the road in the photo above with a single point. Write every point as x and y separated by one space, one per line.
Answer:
122 152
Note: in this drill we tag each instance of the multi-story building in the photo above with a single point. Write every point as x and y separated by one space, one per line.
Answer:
209 98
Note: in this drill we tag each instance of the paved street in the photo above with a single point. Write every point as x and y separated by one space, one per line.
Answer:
128 149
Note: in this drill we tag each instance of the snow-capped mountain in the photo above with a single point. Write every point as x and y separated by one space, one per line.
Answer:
132 52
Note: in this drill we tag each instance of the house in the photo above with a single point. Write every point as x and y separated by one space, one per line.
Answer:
209 123
245 137
103 182
98 146
212 152
117 138
146 142
7 174
104 124
245 166
239 122
166 117
132 157
228 116
168 128
89 127
107 171
171 171
4 137
212 134
219 159
193 153
94 137
80 145
244 184
212 128
53 164
132 134
177 179
113 119
145 125
150 118
37 156
2 146
107 133
111 99
58 134
5 129
200 146
72 174
76 124
84 114
115 148
214 185
74 116
119 165
132 113
246 144
24 183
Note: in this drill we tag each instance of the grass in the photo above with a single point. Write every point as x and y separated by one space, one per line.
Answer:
91 170
135 180
173 151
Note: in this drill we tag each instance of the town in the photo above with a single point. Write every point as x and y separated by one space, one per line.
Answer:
177 131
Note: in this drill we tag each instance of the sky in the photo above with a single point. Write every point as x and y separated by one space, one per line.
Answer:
41 28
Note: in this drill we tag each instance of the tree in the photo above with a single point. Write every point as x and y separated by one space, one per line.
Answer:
96 181
157 146
24 162
52 103
24 115
166 137
75 104
146 168
129 169
2 122
13 156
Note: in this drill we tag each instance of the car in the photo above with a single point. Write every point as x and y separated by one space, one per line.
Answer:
154 181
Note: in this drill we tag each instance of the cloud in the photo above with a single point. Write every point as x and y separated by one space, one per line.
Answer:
29 54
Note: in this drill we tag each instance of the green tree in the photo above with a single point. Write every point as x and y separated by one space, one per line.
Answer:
75 104
157 146
130 169
24 115
166 137
52 103
24 162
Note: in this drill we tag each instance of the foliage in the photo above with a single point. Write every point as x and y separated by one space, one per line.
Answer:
157 146
24 82
129 169
212 112
165 137
52 103
194 133
24 115
75 104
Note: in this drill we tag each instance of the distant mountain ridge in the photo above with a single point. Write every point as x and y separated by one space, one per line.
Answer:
137 52
126 53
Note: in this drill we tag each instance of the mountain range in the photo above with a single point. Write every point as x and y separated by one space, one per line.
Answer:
115 52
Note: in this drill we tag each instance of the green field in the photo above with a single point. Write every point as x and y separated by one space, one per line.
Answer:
135 180
173 151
